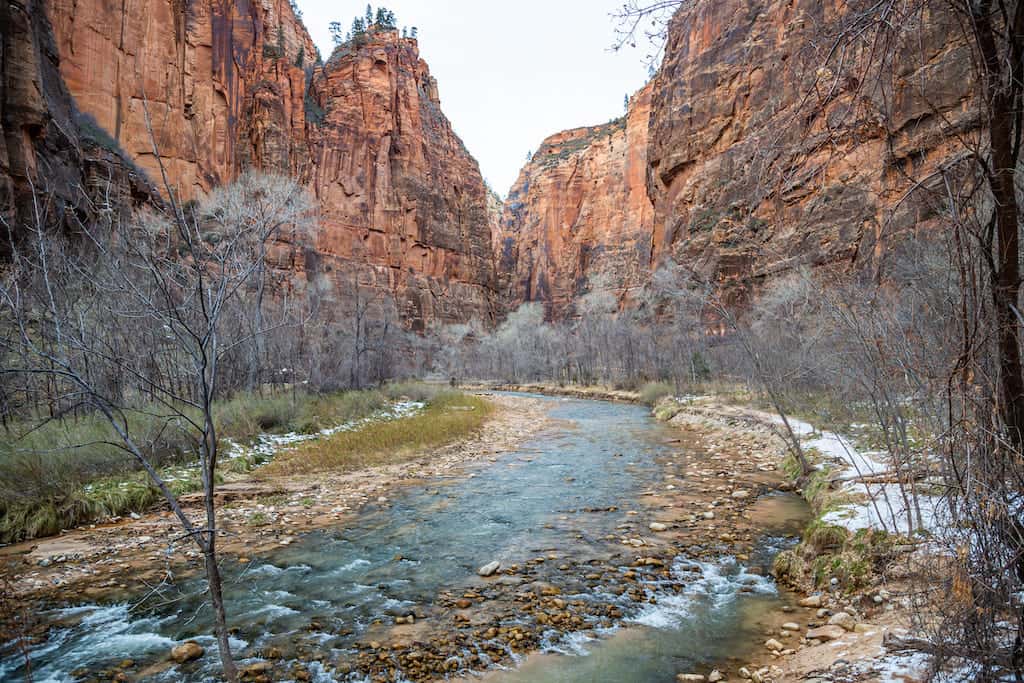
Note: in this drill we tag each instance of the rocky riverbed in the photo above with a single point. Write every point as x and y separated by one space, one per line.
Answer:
540 538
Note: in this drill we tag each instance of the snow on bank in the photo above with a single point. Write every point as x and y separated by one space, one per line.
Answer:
884 506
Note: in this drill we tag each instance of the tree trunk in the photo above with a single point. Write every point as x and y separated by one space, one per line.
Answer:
220 621
1002 94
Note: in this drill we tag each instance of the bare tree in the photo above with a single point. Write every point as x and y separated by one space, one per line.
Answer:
138 315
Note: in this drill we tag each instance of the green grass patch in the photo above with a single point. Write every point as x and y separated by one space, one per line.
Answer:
449 416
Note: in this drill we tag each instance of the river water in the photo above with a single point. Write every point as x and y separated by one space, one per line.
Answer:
560 497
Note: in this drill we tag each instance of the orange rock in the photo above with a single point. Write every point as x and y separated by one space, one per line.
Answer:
580 209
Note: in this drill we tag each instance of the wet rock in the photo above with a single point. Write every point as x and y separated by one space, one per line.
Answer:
826 633
690 678
741 494
791 626
658 527
187 651
774 645
489 569
716 676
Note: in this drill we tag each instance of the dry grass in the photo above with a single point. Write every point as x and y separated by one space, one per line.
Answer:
448 417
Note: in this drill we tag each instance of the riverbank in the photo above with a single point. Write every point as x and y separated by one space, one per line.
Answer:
257 512
839 627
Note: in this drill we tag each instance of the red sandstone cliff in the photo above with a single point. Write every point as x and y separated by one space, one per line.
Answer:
579 215
399 193
764 156
229 86
757 153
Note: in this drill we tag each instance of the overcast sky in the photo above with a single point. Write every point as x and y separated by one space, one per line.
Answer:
509 73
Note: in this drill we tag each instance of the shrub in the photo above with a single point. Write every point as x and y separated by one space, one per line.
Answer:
652 392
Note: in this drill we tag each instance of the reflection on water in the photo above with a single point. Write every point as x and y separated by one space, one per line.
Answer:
315 598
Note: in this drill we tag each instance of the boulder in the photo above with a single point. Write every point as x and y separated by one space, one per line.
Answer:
843 620
187 651
813 601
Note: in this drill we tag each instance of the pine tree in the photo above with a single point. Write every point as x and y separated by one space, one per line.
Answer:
625 102
415 32
369 15
335 28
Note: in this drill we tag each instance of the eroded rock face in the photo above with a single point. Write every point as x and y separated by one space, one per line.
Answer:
579 215
219 84
44 149
221 87
399 191
756 158
762 160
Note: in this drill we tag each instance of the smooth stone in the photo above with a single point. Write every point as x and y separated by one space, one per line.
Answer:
826 633
489 569
773 644
843 620
811 601
658 526
187 651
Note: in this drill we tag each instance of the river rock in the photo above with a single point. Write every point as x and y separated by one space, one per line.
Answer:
658 526
826 633
740 494
844 620
187 651
773 644
791 626
690 678
489 569
811 601
715 676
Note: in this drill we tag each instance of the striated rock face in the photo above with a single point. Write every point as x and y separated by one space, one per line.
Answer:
44 146
220 84
398 191
579 216
221 87
763 160
757 153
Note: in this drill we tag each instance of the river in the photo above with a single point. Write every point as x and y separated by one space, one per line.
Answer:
556 509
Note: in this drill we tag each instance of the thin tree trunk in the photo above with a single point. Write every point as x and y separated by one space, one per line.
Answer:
220 620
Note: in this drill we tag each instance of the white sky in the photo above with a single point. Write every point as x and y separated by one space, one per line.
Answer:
509 73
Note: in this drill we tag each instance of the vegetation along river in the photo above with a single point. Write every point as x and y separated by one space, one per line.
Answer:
586 590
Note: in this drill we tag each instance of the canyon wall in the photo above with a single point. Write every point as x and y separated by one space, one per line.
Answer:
216 88
399 193
579 216
765 155
750 154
